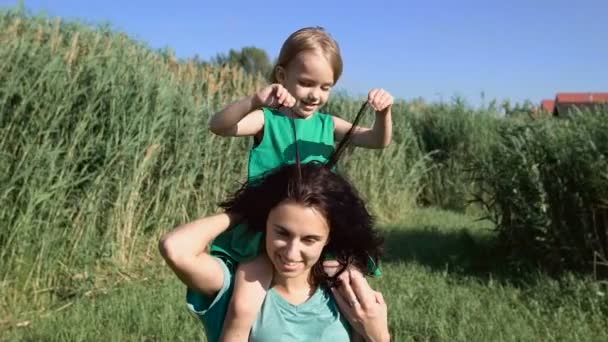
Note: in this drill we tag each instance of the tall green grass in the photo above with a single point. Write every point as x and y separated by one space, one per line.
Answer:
453 135
545 184
104 146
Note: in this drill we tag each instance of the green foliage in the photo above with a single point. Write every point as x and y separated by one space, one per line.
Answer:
546 186
104 146
392 177
452 134
250 58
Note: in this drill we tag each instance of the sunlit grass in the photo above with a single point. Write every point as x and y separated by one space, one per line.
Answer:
436 286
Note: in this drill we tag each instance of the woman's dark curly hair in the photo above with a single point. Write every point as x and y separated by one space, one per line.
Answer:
352 237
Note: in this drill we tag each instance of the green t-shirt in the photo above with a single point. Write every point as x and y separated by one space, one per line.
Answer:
317 319
276 148
315 141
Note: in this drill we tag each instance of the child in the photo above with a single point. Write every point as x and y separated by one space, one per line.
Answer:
308 67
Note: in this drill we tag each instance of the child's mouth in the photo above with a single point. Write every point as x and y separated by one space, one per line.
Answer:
308 106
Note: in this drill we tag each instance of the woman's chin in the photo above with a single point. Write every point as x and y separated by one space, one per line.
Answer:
289 271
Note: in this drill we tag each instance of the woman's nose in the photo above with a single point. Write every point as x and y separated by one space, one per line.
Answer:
293 251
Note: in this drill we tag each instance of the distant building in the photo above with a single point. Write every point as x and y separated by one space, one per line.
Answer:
547 106
565 102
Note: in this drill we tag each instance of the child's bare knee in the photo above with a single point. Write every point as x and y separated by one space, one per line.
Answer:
243 308
256 271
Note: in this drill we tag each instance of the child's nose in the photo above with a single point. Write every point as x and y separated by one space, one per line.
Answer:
313 95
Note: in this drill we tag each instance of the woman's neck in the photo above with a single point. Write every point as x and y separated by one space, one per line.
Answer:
294 290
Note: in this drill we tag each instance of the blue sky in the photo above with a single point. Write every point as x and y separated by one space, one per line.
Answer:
433 49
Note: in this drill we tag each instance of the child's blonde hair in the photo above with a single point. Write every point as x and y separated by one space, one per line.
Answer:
310 39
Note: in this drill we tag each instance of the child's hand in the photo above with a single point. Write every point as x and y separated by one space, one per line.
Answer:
380 100
274 96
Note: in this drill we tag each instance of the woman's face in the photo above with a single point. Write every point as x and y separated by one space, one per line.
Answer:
295 237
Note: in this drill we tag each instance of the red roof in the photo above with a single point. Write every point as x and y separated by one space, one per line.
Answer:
581 97
547 105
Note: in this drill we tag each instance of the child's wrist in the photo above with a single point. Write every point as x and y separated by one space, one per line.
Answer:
384 112
254 102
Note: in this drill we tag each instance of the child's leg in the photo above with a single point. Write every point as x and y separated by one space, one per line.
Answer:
251 284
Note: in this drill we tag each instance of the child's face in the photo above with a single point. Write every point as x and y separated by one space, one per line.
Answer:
309 78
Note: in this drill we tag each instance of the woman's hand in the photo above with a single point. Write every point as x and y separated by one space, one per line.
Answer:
364 308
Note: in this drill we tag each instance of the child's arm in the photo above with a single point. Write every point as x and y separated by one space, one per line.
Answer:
244 117
380 135
251 285
184 251
240 118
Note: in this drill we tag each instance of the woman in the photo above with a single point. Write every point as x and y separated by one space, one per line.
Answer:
305 211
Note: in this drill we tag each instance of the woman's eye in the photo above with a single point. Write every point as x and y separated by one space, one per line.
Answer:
310 241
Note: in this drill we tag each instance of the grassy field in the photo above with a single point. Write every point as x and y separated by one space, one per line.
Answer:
441 283
104 146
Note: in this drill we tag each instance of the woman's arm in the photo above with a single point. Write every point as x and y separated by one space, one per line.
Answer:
185 251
